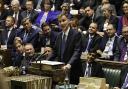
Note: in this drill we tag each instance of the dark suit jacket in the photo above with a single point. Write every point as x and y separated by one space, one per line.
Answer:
19 17
93 3
33 15
26 61
94 45
101 20
122 48
123 75
85 21
96 69
33 36
77 5
18 57
57 4
71 54
42 39
3 16
3 38
103 43
7 2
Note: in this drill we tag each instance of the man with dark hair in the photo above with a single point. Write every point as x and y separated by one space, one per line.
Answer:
47 36
8 34
90 67
91 40
67 49
88 17
29 57
29 12
108 44
28 33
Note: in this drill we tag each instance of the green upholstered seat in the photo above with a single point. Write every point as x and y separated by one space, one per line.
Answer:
112 76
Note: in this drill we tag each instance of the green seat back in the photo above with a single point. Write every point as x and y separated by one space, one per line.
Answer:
112 76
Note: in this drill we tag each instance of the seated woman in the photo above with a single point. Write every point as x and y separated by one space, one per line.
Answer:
47 15
19 52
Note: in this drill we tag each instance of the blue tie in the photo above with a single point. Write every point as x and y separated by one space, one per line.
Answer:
63 46
88 45
125 84
25 37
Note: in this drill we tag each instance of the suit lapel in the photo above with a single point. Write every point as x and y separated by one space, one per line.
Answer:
68 41
11 34
85 41
114 44
94 67
105 40
59 43
5 34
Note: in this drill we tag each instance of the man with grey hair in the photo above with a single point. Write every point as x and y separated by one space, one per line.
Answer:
16 12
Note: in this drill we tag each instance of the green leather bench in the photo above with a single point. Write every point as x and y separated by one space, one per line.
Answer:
112 76
112 70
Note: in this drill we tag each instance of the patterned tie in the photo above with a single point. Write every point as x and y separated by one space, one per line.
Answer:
63 45
25 37
88 70
125 84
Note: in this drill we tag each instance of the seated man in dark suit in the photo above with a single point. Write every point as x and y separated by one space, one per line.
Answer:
28 33
88 17
108 44
29 56
123 84
30 12
92 68
123 45
47 51
90 40
8 34
15 11
47 36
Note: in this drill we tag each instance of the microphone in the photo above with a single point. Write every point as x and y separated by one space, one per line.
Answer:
38 57
42 54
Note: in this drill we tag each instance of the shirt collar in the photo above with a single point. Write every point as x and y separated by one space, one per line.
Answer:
10 29
66 33
113 38
91 36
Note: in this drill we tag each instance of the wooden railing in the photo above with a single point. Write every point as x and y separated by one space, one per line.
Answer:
111 64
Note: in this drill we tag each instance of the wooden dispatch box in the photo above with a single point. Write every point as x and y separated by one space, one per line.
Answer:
47 65
92 83
48 68
31 82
